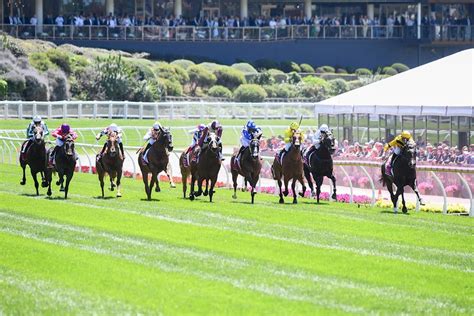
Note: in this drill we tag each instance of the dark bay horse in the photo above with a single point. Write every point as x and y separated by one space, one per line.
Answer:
65 165
404 173
36 158
291 167
318 164
111 164
206 168
249 167
186 168
158 159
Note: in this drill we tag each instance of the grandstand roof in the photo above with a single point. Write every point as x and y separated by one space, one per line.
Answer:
443 87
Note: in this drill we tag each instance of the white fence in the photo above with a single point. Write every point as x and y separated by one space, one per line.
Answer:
155 110
9 147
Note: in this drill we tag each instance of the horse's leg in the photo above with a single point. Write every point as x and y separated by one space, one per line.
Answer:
199 185
307 175
23 166
319 182
147 187
119 181
303 186
44 182
169 174
157 188
49 178
293 188
193 180
253 184
101 181
285 182
60 182
35 179
235 175
281 201
333 179
184 180
66 187
395 199
206 192
414 187
404 208
211 191
152 182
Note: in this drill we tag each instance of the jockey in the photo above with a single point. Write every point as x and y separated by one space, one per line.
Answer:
249 132
60 133
29 132
322 131
397 144
213 127
197 133
112 128
289 133
151 137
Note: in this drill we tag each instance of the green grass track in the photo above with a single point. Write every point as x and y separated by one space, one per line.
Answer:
172 256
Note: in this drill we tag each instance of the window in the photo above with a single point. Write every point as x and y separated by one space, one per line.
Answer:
432 134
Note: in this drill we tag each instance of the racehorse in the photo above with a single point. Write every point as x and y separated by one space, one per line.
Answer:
206 168
319 164
249 167
111 163
65 163
404 173
291 167
157 161
36 158
186 168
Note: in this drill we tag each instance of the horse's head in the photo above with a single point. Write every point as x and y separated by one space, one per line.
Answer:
69 146
297 140
112 144
254 148
329 142
166 139
409 154
38 134
212 142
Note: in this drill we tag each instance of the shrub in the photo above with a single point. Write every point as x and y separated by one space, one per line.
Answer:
289 66
283 90
306 68
316 81
173 88
312 91
278 75
15 82
338 86
363 72
246 68
60 58
143 69
200 77
265 64
341 71
399 67
229 77
183 63
36 89
263 78
294 78
171 72
326 69
220 92
389 71
78 63
3 89
271 90
210 66
156 90
41 62
58 86
354 84
249 93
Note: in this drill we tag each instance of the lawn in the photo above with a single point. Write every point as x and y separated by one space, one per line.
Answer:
173 256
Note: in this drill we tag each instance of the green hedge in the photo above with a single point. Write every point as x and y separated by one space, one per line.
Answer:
399 67
389 71
246 68
306 68
289 66
363 72
41 62
183 63
338 86
3 89
200 78
278 75
219 92
249 93
61 59
229 77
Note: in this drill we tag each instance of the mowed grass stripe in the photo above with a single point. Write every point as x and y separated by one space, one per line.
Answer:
420 281
286 286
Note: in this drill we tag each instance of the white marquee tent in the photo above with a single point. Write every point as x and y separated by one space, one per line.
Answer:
444 87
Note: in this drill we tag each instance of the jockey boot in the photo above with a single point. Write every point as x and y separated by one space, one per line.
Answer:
220 152
241 150
51 157
282 154
145 152
121 150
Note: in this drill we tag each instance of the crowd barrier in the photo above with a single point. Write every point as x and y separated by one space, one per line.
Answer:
444 184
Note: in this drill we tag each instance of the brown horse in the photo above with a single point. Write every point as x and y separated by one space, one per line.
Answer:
157 160
37 159
186 168
291 167
249 167
206 168
111 164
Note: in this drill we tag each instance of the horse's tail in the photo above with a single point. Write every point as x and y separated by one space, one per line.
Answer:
382 178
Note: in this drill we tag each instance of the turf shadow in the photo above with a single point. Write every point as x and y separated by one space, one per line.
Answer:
391 212
105 197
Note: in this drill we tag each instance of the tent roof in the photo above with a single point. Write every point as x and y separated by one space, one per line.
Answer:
443 87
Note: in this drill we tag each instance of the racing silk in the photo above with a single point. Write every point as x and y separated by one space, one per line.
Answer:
289 135
206 132
58 134
397 142
106 131
249 134
151 134
31 127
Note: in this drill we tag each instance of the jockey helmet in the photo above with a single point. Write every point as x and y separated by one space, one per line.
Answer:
324 128
37 119
406 135
113 127
294 126
251 125
201 127
65 128
157 126
215 125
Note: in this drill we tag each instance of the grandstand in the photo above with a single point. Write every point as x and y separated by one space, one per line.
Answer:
376 32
